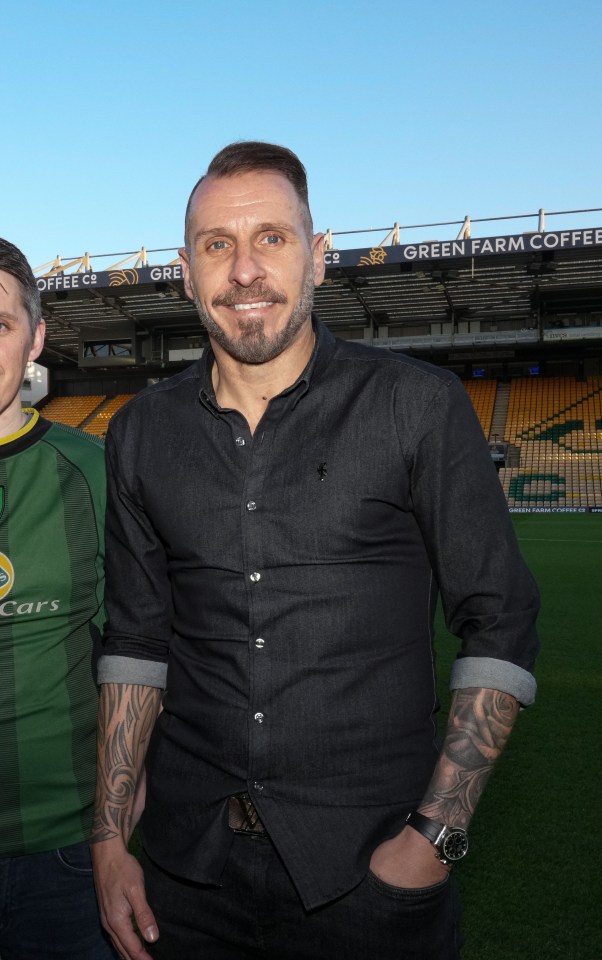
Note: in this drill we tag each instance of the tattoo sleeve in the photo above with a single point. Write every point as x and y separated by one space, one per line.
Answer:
480 721
126 716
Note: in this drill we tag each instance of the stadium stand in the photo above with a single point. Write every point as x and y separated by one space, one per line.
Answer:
518 317
72 411
557 425
98 425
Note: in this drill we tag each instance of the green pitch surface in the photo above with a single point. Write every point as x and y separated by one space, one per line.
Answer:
531 884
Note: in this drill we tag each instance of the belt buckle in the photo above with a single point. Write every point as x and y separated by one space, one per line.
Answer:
242 815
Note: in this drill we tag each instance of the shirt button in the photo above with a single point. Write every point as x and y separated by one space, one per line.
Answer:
257 786
251 505
259 642
240 441
255 577
258 718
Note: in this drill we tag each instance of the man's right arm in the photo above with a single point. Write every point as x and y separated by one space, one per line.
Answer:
127 714
132 674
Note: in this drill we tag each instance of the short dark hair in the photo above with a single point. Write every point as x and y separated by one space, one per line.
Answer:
248 155
14 262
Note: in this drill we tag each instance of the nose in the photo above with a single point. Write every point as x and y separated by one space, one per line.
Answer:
246 265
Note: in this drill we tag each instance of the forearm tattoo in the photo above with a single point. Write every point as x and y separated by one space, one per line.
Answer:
126 716
479 725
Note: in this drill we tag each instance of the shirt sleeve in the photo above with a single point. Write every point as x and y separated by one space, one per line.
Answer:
138 596
489 597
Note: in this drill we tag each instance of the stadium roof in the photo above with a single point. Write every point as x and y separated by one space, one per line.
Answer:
516 284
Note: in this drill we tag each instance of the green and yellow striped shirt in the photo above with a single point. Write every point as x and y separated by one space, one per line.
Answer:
52 498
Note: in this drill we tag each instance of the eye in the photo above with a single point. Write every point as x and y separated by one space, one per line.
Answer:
272 239
218 245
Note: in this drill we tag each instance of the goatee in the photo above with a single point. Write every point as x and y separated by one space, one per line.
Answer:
253 345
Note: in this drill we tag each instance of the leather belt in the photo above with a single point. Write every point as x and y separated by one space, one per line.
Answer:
242 815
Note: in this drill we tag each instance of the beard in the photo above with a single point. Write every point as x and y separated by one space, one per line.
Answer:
254 345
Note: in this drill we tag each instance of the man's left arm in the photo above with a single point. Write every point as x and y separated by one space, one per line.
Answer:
490 601
480 721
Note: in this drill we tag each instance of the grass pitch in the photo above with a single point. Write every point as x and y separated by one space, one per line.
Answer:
531 883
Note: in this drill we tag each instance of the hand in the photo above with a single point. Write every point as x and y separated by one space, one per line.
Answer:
408 860
120 890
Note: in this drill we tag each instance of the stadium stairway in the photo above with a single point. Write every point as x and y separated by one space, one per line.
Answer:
500 412
95 413
98 423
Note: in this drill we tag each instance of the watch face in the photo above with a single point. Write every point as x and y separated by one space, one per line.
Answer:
455 845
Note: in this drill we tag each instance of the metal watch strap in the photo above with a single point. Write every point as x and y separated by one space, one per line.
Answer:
424 825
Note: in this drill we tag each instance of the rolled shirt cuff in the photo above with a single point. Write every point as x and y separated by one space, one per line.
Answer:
145 673
495 675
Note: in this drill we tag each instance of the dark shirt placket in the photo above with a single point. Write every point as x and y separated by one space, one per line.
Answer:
255 500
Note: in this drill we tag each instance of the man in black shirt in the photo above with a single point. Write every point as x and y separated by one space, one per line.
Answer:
282 516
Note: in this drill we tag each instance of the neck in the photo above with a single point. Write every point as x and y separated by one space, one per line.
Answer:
12 420
249 387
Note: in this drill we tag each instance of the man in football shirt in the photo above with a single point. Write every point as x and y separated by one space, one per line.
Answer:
52 493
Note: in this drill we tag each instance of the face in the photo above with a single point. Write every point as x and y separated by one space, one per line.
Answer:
250 266
16 346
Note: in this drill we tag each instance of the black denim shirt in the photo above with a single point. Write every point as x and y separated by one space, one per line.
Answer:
289 580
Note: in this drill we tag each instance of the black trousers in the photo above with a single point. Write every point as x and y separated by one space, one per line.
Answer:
258 914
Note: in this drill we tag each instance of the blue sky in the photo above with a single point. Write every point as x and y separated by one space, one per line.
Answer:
400 111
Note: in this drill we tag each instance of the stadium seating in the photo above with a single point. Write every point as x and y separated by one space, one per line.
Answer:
71 410
557 425
75 411
482 393
98 425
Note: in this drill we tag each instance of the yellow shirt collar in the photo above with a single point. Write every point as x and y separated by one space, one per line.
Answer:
35 416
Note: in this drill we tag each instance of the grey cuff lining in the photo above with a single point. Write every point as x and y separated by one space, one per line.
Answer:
146 673
496 675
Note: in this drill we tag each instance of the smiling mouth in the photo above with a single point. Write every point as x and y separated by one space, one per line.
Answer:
252 306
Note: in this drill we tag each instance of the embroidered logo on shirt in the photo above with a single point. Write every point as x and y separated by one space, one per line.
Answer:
322 470
7 575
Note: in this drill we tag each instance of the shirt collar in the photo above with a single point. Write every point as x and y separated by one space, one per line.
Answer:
32 416
319 360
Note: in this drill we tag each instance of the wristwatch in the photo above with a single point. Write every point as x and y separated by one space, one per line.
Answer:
450 843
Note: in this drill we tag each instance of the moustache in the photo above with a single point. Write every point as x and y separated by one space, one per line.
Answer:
256 292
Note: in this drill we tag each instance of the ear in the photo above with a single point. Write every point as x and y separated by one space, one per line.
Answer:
186 273
317 249
38 341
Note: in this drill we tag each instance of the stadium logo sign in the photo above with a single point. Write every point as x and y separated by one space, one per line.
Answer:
173 272
555 509
519 243
123 278
377 256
